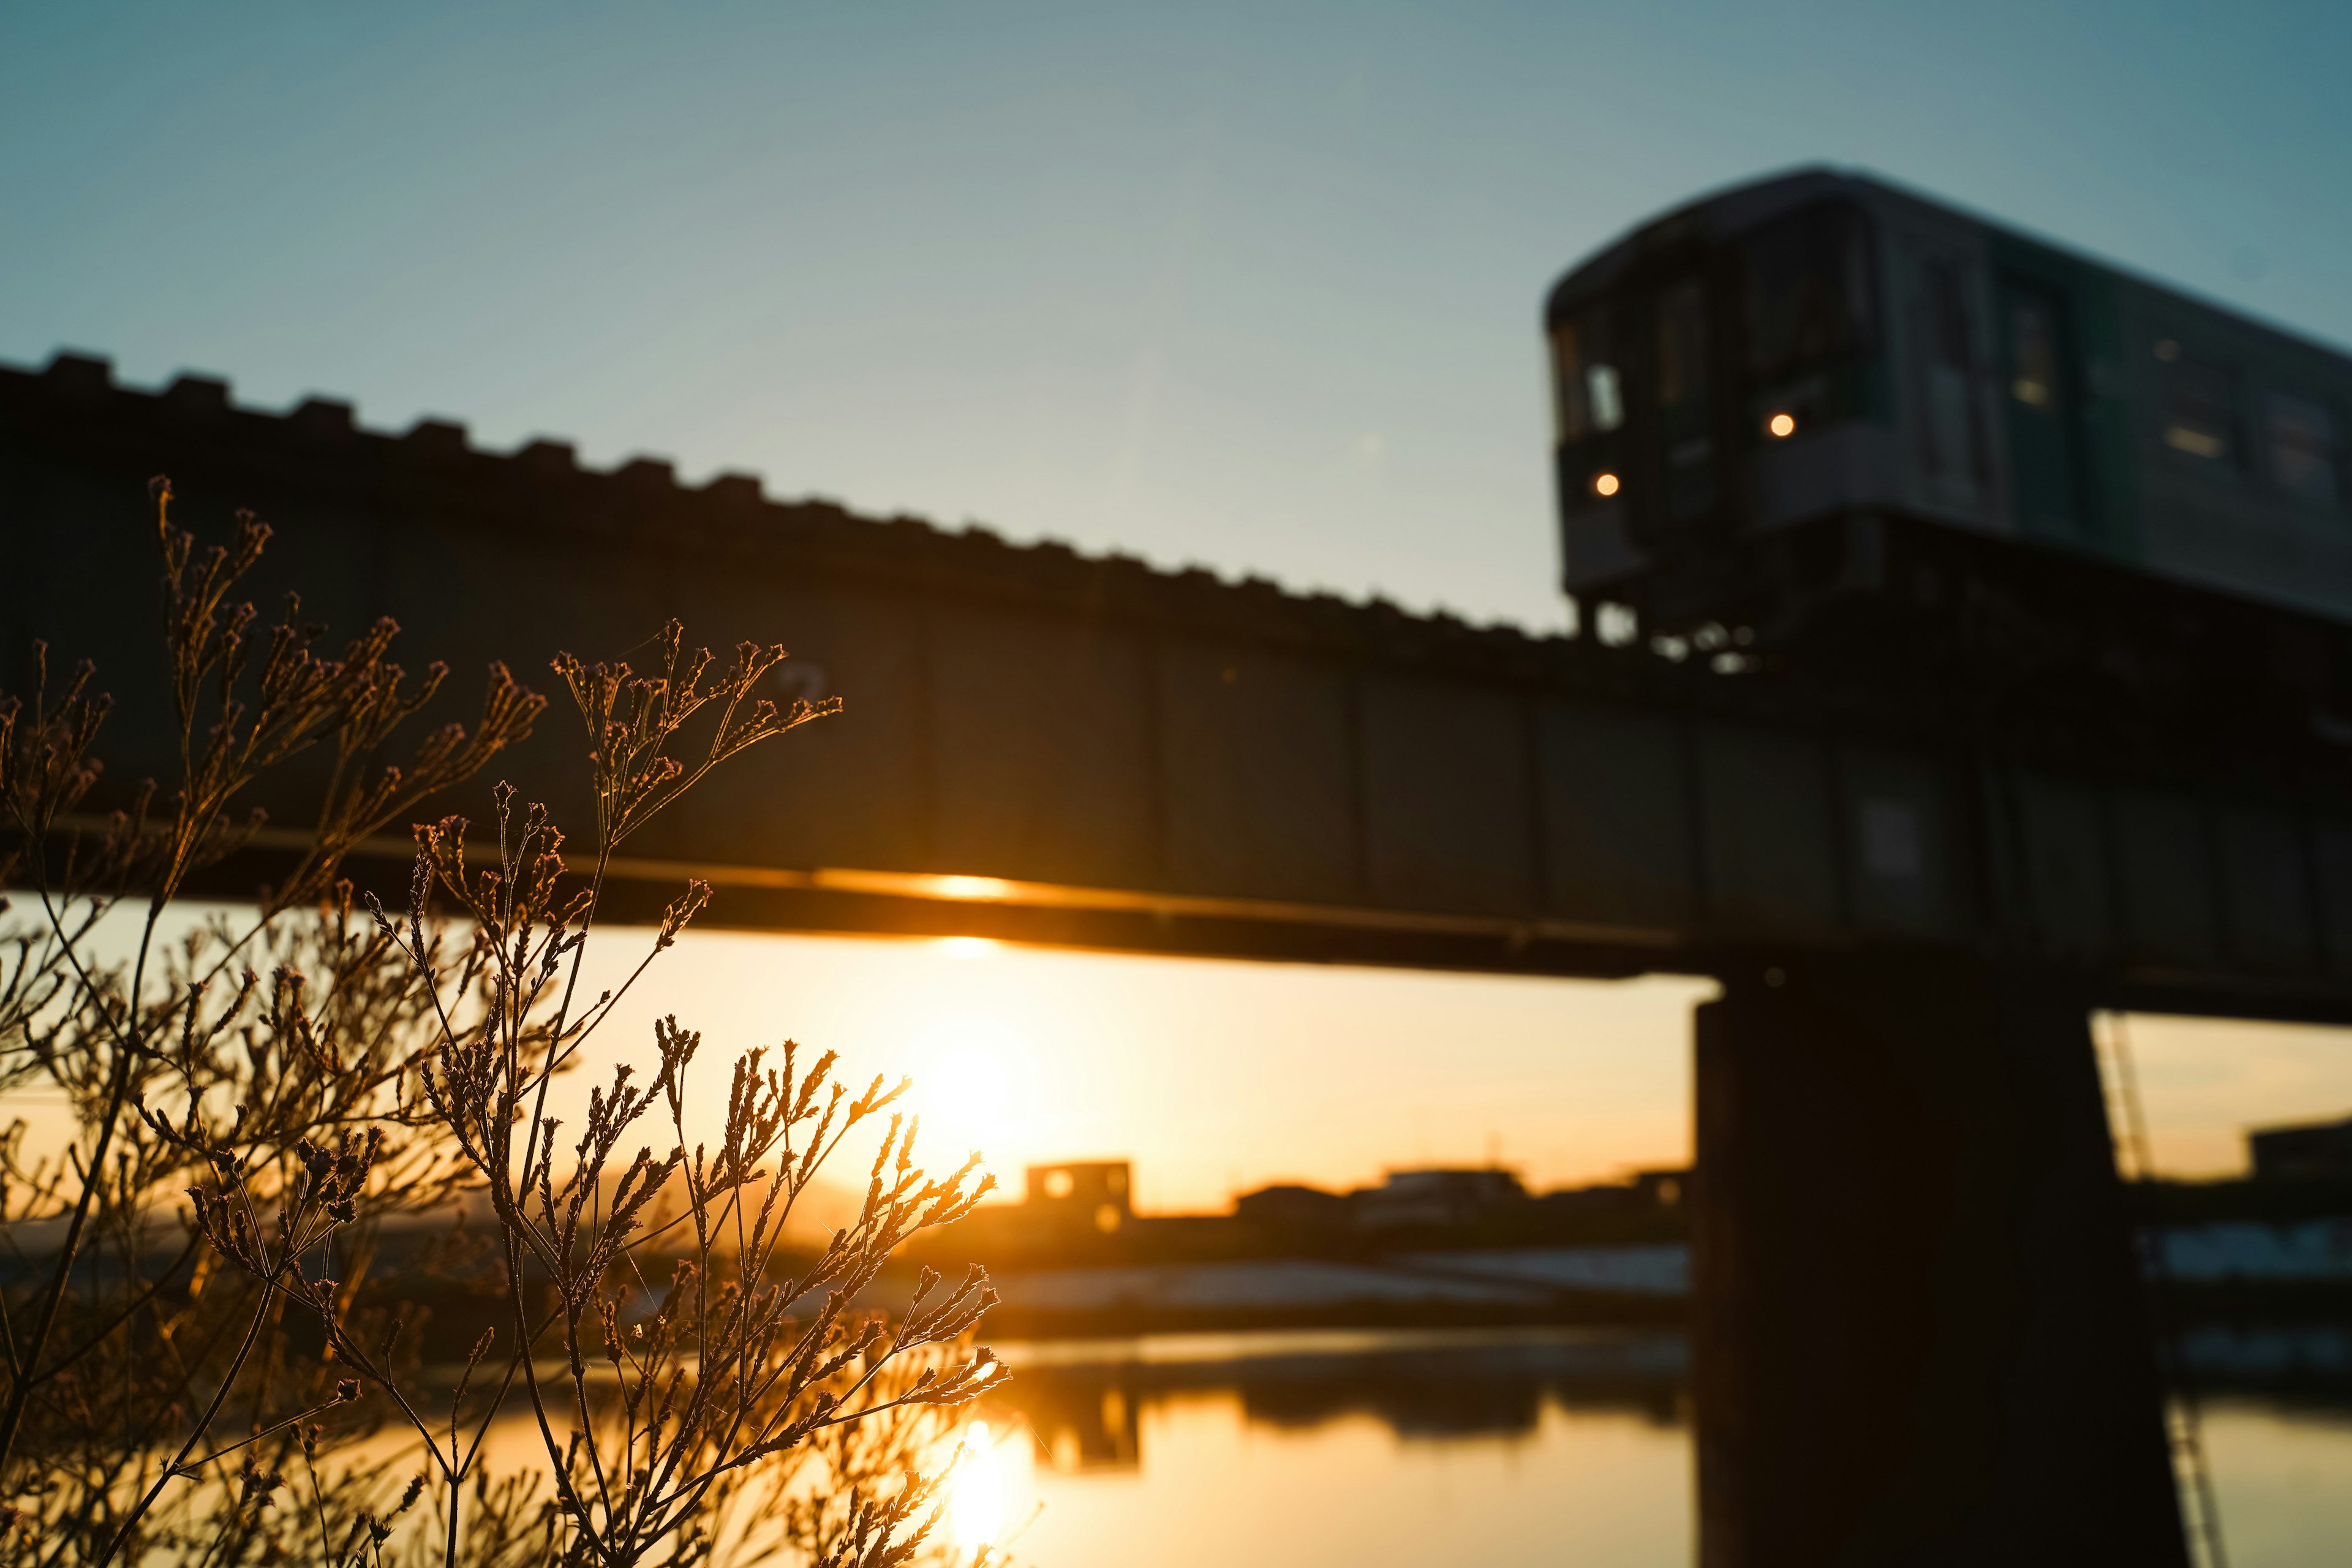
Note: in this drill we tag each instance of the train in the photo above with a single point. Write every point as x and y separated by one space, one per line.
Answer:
1820 427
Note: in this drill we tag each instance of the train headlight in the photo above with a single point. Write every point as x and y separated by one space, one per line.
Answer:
1782 426
1605 484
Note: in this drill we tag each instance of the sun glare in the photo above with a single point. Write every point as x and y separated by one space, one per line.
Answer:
965 946
976 1508
968 1077
971 1084
970 887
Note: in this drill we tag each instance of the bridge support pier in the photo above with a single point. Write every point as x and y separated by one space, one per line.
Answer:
1919 1336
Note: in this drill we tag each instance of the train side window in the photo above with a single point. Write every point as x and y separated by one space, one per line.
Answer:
2046 469
2200 412
2033 356
2304 454
1946 364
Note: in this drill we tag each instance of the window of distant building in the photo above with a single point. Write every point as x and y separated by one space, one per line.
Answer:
2200 412
2306 461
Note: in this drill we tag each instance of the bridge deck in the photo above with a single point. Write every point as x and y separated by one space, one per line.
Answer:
1053 748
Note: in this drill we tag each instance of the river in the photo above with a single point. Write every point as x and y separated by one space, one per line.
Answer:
1500 1449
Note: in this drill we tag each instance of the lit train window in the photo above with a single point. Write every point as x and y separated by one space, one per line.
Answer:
2033 357
2200 416
2304 458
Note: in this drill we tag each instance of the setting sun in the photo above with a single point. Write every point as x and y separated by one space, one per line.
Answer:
971 1072
970 1084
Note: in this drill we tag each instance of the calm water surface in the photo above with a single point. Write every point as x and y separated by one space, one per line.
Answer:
1503 1449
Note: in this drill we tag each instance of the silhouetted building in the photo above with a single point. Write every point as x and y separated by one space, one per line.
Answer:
1409 1198
1290 1207
1079 1196
1646 1193
2320 1149
1661 1189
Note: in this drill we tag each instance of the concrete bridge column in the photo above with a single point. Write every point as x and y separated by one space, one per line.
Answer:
1919 1336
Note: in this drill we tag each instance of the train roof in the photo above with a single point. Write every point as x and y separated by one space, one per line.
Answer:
1734 209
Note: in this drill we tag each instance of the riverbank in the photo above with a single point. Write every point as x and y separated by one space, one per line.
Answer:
1633 1285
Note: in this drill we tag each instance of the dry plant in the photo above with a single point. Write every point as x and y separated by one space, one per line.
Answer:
211 1288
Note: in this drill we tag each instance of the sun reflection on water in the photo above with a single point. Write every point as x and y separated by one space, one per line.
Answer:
976 1494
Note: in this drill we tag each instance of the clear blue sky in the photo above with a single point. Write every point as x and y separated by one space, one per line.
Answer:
1254 286
1250 287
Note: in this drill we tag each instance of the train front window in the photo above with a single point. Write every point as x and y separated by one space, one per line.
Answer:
1807 290
1682 345
1601 390
1685 425
2304 455
1587 398
1570 414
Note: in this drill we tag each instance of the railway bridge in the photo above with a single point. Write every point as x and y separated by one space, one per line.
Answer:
1919 1330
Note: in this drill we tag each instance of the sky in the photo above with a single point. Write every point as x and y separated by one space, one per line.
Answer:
1248 287
1216 1077
1213 1076
1252 287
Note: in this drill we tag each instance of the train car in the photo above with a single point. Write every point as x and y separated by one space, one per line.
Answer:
1818 426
